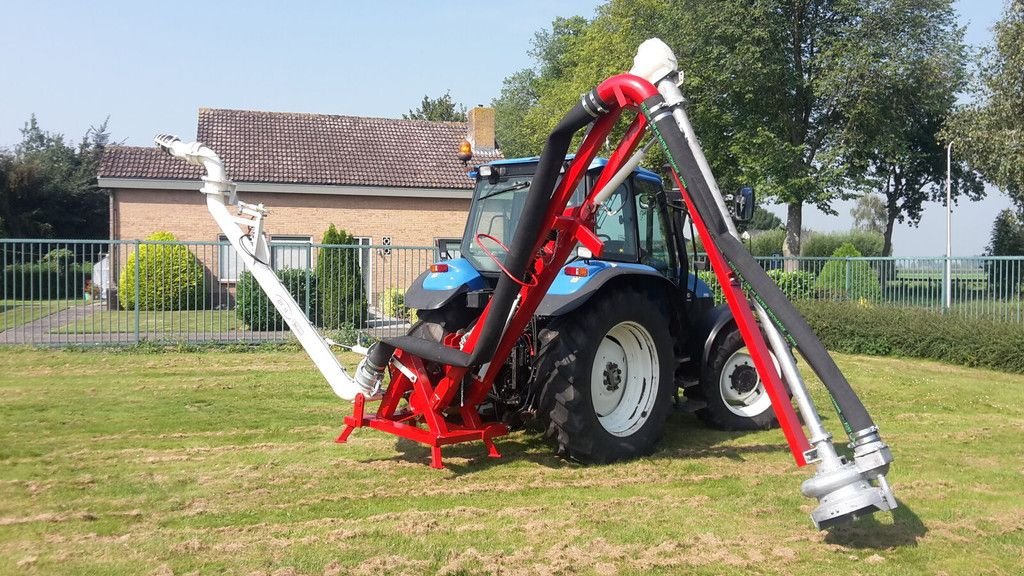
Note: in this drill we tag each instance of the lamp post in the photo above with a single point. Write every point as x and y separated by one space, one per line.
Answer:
949 226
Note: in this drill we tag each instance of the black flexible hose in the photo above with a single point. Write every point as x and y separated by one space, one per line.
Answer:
684 163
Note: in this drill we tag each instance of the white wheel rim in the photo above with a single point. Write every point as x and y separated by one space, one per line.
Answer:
740 385
624 379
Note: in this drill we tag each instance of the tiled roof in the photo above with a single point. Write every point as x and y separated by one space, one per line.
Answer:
289 148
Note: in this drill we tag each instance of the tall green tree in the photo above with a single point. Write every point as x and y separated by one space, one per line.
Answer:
1007 235
989 132
440 109
869 213
774 88
48 187
340 281
893 142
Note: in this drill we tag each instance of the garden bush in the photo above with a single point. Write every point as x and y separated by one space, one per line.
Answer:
918 333
170 277
824 244
796 285
392 303
342 294
254 308
846 278
56 275
767 242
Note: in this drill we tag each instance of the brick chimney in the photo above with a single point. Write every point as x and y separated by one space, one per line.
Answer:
481 129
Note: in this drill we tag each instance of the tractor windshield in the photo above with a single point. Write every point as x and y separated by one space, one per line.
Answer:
495 212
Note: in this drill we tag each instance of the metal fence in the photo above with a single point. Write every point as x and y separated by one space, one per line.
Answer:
130 291
125 292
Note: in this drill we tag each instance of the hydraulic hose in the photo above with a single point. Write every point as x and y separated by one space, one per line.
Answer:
684 163
522 248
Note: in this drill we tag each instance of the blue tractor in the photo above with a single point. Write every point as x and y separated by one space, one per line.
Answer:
615 338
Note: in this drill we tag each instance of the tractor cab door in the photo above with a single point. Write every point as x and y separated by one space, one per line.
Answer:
654 233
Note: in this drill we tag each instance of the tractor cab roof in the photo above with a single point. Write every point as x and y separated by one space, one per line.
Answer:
597 163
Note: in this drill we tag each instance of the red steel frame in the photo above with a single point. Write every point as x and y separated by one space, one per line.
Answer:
434 416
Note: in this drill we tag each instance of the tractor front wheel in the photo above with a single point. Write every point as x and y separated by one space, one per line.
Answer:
605 372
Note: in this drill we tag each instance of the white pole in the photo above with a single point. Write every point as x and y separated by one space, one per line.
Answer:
949 225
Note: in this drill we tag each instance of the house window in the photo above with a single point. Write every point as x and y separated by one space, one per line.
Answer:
291 252
448 248
229 265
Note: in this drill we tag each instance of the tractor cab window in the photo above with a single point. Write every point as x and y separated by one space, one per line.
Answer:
494 213
615 224
652 227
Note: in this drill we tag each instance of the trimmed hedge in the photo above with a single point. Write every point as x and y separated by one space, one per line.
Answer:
917 333
824 244
254 308
56 275
170 277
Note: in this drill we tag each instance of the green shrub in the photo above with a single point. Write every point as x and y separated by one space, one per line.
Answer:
254 308
796 285
767 242
392 303
824 244
342 294
919 333
847 278
170 277
45 281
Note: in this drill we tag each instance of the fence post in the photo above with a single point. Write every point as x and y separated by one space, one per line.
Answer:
849 294
137 287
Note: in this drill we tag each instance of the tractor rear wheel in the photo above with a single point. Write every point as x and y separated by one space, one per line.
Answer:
730 386
605 377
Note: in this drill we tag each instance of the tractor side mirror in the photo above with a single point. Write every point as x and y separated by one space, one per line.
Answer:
744 203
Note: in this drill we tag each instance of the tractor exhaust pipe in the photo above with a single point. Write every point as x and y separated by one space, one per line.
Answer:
251 246
845 490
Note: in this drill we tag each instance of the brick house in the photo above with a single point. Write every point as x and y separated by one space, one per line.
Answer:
383 180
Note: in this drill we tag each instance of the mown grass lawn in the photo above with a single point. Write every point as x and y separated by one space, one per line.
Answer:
176 321
216 462
14 313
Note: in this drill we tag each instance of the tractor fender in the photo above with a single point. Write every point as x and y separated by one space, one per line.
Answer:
432 290
712 323
568 293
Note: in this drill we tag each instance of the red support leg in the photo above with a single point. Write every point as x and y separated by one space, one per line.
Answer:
354 421
435 458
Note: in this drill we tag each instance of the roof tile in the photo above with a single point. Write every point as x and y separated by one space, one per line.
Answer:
291 148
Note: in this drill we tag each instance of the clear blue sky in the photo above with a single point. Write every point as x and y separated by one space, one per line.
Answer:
151 65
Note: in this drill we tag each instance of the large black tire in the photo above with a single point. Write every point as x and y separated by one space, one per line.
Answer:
621 412
729 385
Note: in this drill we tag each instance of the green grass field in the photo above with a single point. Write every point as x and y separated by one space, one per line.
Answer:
14 313
183 321
214 462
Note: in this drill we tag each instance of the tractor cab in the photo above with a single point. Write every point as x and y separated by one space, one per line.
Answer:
640 232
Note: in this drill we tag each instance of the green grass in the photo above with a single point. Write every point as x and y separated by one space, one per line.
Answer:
181 321
14 313
114 462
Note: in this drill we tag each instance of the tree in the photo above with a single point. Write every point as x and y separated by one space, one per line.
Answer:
340 282
894 142
440 109
762 220
1007 235
989 131
48 188
869 214
774 88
